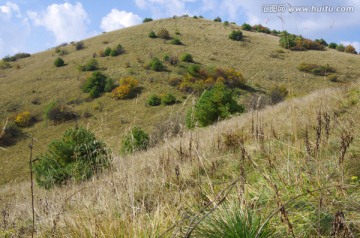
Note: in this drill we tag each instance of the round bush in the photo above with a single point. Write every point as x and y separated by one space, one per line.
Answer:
176 41
187 58
236 35
156 65
214 104
154 100
136 140
246 27
59 62
218 19
77 156
147 19
98 83
23 119
152 34
58 112
107 51
168 99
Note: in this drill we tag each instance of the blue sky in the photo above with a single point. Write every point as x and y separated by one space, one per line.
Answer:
36 25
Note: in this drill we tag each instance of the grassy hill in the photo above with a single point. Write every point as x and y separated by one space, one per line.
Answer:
274 156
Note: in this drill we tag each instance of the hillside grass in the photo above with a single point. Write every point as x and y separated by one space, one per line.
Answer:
283 155
258 57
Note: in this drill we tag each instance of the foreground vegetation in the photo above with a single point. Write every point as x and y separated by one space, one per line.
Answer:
290 170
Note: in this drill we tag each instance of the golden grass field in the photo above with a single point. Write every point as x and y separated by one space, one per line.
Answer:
142 196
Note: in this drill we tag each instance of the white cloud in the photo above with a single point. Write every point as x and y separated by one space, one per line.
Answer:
165 8
356 44
119 19
14 35
8 9
66 21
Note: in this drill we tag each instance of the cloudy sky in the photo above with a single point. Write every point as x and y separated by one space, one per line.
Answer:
35 25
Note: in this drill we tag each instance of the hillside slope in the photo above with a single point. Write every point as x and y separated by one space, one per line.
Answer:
285 155
33 82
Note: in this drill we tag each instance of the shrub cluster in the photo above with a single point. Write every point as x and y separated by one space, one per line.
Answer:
199 79
147 19
79 45
58 112
98 83
15 57
23 119
77 156
91 65
320 70
167 99
127 89
298 43
213 105
137 139
9 134
278 94
261 28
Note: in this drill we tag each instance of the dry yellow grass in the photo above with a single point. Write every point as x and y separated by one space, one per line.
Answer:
142 196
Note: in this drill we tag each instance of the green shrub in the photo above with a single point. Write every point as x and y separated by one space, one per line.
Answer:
278 94
59 62
136 140
287 40
333 45
77 156
107 51
163 34
246 27
154 100
320 70
218 19
168 99
16 57
236 35
226 23
156 65
231 221
58 112
214 104
261 28
176 41
187 58
98 83
147 19
194 70
321 42
152 34
91 65
340 48
79 45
